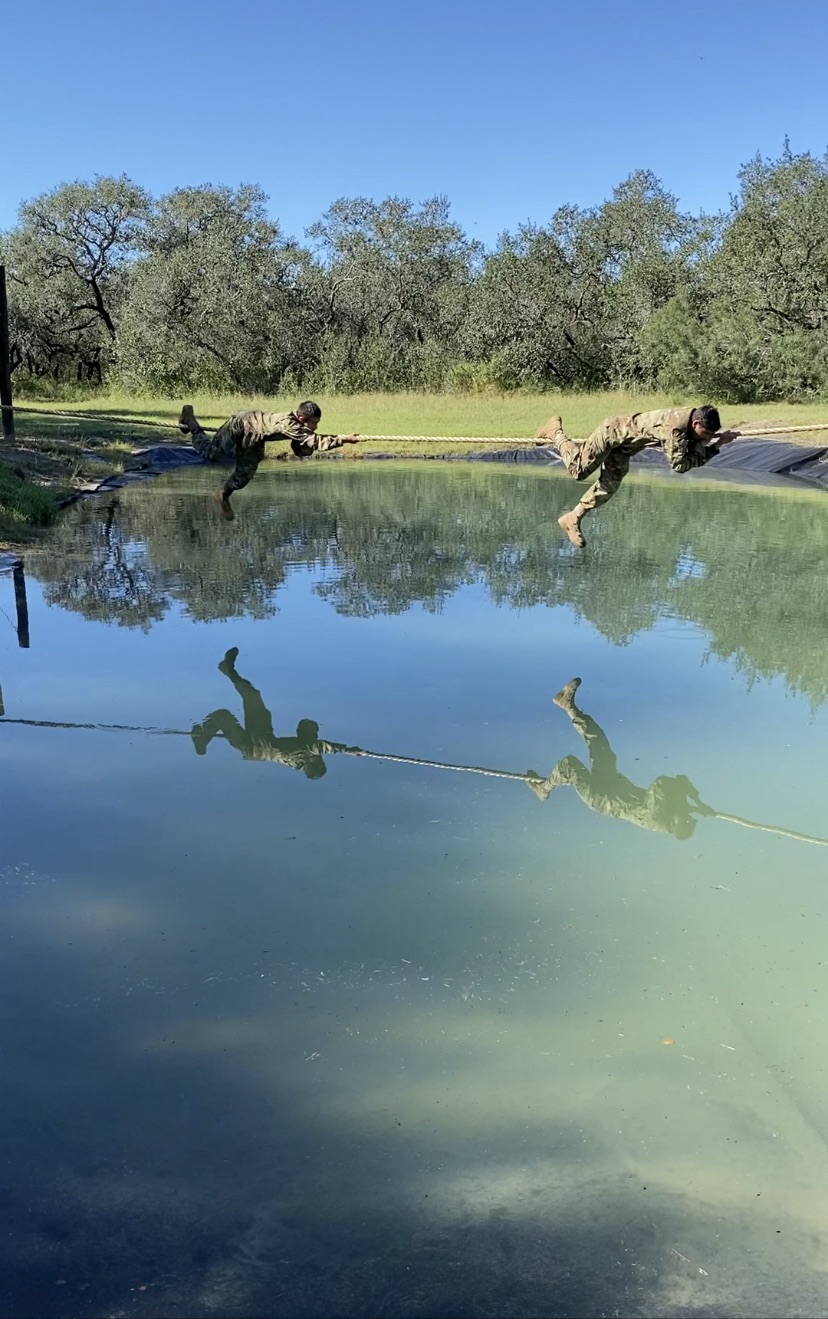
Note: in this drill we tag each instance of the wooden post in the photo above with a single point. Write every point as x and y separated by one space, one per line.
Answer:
6 409
22 607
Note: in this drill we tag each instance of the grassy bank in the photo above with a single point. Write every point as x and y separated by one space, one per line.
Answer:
24 506
507 415
41 470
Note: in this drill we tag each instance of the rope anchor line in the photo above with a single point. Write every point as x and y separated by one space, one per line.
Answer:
437 439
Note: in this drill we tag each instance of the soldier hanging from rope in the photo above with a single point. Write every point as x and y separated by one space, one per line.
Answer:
245 435
688 437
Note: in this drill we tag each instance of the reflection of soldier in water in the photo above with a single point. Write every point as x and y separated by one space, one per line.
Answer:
256 740
669 805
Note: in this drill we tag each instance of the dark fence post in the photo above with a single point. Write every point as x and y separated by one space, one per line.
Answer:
22 607
6 409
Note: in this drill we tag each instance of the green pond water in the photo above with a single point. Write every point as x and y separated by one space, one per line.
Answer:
290 1029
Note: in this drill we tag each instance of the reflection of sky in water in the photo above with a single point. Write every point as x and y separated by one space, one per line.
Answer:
391 1040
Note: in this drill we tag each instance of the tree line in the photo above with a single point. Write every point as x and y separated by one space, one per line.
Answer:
200 289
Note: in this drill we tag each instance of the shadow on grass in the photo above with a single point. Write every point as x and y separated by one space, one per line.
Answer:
39 426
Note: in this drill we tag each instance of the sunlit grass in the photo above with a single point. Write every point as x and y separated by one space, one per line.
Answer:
510 416
23 504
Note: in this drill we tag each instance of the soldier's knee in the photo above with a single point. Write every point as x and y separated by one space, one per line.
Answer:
236 482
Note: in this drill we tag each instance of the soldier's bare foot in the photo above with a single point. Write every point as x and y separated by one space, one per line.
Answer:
224 504
229 661
552 428
566 695
187 421
571 524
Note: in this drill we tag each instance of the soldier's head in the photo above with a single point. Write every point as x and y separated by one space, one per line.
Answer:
682 825
307 730
673 812
309 413
307 733
705 421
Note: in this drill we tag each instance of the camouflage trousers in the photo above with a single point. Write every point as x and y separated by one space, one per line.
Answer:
223 444
606 451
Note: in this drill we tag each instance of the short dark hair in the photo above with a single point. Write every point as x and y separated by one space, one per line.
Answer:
708 417
308 410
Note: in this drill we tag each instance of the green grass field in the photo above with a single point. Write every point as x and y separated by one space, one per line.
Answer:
510 416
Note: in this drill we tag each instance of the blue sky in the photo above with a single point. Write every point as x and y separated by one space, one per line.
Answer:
509 109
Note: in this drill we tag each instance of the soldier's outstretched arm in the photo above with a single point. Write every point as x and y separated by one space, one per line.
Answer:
323 443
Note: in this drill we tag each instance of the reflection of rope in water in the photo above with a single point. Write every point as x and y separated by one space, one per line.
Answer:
769 828
8 620
358 752
437 764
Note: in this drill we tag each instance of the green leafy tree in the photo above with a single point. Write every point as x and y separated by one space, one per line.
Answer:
214 303
565 305
69 261
757 325
390 291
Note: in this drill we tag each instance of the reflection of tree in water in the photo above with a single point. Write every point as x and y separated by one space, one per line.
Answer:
104 572
741 565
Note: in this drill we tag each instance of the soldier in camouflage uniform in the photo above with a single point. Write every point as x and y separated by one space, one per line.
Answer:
688 437
245 435
667 806
256 740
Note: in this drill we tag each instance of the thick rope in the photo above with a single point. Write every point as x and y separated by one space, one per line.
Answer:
709 813
100 416
436 439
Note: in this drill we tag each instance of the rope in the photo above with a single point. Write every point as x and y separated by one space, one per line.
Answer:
100 416
8 620
510 439
435 439
769 828
436 764
709 813
783 430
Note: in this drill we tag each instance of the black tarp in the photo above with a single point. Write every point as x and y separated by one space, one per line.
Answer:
756 458
759 461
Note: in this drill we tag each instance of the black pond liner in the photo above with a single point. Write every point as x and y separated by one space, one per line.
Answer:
755 458
761 461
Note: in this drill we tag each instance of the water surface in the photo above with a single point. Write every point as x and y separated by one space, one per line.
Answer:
291 1029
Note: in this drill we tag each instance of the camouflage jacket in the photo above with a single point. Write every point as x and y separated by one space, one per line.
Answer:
294 752
668 798
253 428
667 429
